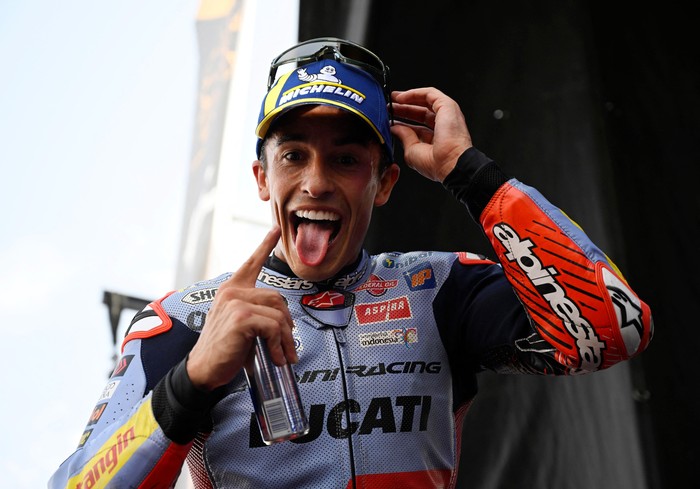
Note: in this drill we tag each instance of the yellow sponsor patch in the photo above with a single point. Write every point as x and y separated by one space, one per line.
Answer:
114 453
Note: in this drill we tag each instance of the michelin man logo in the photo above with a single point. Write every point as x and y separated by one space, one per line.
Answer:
327 73
323 82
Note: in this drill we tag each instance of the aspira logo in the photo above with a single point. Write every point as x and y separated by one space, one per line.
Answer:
589 345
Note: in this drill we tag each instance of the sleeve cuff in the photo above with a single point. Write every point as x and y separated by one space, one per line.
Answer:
474 180
179 407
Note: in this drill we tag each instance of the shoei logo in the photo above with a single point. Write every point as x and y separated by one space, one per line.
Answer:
590 347
323 82
200 296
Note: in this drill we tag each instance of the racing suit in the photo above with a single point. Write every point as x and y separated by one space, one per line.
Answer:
388 355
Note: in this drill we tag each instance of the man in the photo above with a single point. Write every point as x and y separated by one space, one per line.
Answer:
386 348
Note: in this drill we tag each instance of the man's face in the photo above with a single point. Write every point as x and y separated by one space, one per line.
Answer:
322 179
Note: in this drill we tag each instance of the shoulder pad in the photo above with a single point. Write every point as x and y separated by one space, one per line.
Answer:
151 321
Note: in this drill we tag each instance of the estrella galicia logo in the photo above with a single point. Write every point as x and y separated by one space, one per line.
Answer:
420 277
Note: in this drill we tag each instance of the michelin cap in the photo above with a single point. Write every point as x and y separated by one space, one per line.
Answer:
328 82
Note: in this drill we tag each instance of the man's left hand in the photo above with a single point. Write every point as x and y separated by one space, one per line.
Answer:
432 130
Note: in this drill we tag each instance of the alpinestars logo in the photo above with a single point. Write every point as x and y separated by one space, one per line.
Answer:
283 282
590 347
328 299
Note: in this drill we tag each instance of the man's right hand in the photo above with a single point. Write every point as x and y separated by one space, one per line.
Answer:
239 313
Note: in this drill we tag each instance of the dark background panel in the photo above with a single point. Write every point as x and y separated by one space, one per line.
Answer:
650 81
596 106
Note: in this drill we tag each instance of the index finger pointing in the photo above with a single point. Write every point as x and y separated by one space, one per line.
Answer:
249 270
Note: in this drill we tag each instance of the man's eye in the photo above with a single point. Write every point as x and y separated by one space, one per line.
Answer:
291 156
347 160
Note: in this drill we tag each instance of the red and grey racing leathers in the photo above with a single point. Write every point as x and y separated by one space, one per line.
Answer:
388 355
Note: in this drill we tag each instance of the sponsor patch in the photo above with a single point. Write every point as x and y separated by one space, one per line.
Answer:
200 296
282 282
109 390
404 336
350 279
420 278
391 310
340 90
97 413
122 365
377 286
84 437
106 462
406 262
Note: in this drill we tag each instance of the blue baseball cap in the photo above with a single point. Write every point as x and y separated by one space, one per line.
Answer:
328 82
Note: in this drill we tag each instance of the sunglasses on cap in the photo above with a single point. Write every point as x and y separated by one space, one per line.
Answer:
337 49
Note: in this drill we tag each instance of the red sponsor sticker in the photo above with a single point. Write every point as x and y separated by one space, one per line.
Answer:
377 286
328 299
378 312
97 413
122 365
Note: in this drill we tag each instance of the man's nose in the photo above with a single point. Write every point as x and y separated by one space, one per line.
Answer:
318 179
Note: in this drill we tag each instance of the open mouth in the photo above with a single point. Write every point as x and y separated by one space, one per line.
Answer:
314 232
324 220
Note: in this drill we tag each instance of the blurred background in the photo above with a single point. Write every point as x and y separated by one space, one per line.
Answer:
97 105
127 137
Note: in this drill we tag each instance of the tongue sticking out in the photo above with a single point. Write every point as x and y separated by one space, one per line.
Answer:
312 241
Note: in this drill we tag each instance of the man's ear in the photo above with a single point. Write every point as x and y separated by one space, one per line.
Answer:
261 180
387 180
